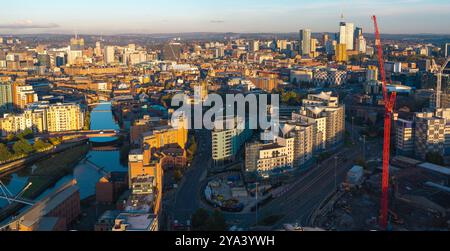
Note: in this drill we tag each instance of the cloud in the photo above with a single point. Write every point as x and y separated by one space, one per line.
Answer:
217 21
27 24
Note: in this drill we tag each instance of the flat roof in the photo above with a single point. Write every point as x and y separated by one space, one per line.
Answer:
435 168
43 207
137 222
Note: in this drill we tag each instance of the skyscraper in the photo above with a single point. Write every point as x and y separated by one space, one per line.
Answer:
346 34
6 97
360 42
325 39
341 53
447 49
254 46
98 49
109 54
305 42
76 44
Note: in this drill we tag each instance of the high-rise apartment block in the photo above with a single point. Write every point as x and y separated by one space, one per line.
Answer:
328 117
6 97
44 118
23 95
228 136
429 132
404 137
305 42
341 53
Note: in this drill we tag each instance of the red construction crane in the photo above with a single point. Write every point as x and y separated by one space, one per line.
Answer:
389 103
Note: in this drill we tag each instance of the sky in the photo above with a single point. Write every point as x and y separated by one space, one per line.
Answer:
241 16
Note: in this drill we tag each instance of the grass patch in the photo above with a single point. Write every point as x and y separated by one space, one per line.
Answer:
49 171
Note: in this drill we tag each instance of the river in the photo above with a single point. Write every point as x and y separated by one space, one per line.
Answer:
86 176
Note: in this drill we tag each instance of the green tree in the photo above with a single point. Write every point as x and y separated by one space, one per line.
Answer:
54 141
290 98
435 158
178 175
5 154
40 145
10 137
199 218
25 134
22 146
166 100
216 222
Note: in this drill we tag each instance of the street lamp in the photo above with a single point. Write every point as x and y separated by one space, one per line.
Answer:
256 195
335 172
353 135
364 147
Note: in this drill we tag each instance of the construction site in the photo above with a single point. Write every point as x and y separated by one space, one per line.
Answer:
415 195
419 200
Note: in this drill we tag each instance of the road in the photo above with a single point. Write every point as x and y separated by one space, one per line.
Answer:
187 197
316 186
296 206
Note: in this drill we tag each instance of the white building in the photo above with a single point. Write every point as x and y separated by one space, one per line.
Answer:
346 34
109 54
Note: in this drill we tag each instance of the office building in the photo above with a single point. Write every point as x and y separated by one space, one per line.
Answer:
393 67
109 55
424 64
341 53
305 42
447 50
360 42
254 46
330 47
77 44
372 73
346 35
325 38
281 44
98 49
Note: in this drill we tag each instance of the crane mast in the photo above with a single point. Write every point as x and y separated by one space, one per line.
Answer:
389 103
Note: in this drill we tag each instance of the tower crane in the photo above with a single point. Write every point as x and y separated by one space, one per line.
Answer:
389 103
439 72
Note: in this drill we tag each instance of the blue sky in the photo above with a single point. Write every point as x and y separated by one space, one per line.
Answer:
165 16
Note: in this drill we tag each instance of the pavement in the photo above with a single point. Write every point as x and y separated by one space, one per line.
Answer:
311 189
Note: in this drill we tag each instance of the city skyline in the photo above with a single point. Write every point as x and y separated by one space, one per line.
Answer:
250 16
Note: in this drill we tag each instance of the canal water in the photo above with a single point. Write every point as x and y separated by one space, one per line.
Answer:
86 175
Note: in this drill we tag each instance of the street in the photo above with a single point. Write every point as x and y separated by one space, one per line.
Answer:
187 197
